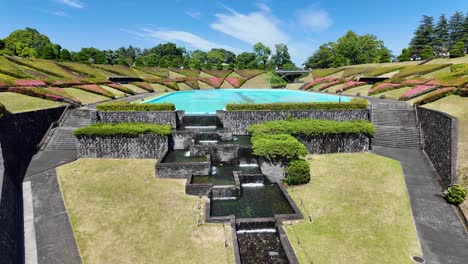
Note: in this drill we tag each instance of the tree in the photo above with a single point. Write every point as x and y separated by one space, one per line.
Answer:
139 62
2 44
216 55
427 53
262 54
198 56
405 55
48 52
219 66
246 58
90 56
65 55
26 38
122 61
455 27
196 65
441 37
230 66
348 47
458 50
281 56
28 53
99 58
423 36
322 58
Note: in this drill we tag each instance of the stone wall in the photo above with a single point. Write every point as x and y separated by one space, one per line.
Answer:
146 146
274 170
182 170
440 139
220 153
239 121
335 143
157 117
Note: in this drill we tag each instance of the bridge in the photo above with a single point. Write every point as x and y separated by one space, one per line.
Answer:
290 75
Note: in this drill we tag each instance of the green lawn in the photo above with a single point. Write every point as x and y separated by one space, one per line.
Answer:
259 81
364 90
121 213
16 103
85 97
135 88
359 212
394 94
115 92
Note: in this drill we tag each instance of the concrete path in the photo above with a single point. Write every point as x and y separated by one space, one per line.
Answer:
441 232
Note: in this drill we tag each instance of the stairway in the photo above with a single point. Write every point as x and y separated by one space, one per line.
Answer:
62 136
396 126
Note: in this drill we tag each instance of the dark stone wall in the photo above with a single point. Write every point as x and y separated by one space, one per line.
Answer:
19 135
147 146
182 170
239 121
440 139
220 153
159 117
335 143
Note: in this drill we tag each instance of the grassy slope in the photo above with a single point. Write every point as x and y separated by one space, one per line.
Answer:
394 94
115 92
259 81
135 88
121 213
204 86
85 97
16 103
360 89
360 216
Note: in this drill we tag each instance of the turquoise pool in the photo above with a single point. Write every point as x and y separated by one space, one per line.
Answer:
208 101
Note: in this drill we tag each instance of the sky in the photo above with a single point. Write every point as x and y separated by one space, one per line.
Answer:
231 24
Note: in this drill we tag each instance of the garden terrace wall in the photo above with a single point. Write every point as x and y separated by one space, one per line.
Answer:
335 143
144 146
156 117
239 121
440 139
220 153
182 170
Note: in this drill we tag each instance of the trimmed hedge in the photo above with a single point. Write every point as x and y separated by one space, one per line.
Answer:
128 107
122 129
312 127
280 146
297 172
352 105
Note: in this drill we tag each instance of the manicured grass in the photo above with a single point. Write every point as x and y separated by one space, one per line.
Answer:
135 88
363 90
173 74
85 97
356 210
115 92
204 85
160 88
121 213
259 81
325 72
435 73
394 94
226 85
183 87
16 103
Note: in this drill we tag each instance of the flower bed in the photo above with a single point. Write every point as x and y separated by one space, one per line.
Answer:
328 85
316 81
92 88
61 92
65 83
384 87
144 86
433 83
350 84
121 88
30 83
37 92
417 91
436 95
353 104
412 82
236 82
213 81
193 83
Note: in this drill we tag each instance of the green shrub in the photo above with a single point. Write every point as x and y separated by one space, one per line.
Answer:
456 194
128 107
458 50
122 129
312 127
279 146
435 95
276 81
353 104
2 110
297 172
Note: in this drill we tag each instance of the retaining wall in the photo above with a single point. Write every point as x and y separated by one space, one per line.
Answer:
335 143
146 146
156 117
440 139
239 121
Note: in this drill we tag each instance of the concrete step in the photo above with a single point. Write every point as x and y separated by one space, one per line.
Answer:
62 139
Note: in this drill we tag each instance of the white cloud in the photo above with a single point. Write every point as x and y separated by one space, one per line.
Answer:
185 37
260 26
60 13
71 3
193 14
314 19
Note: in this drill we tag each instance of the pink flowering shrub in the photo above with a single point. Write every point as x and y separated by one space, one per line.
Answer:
328 85
193 83
414 82
417 91
54 97
144 86
435 95
65 83
213 81
61 92
316 81
236 82
36 92
93 88
384 87
433 83
30 83
351 84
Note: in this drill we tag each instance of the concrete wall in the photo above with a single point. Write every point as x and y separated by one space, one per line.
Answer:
440 139
182 170
146 146
335 143
157 117
239 121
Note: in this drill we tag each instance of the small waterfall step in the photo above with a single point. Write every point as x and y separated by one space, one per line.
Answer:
189 121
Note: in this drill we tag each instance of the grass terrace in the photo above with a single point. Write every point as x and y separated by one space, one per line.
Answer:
16 103
356 210
121 213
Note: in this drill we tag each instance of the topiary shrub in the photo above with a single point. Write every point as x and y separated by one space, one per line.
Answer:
279 146
456 194
297 172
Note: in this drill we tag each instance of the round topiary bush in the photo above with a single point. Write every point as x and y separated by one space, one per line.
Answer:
456 194
297 172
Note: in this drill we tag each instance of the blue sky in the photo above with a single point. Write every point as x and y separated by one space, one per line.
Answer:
231 24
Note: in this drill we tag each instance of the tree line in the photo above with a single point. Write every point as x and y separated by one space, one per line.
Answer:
30 43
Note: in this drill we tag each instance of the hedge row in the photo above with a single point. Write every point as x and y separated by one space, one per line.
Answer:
122 129
279 146
311 127
353 104
128 107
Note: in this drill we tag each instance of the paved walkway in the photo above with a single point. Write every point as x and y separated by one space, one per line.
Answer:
441 232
